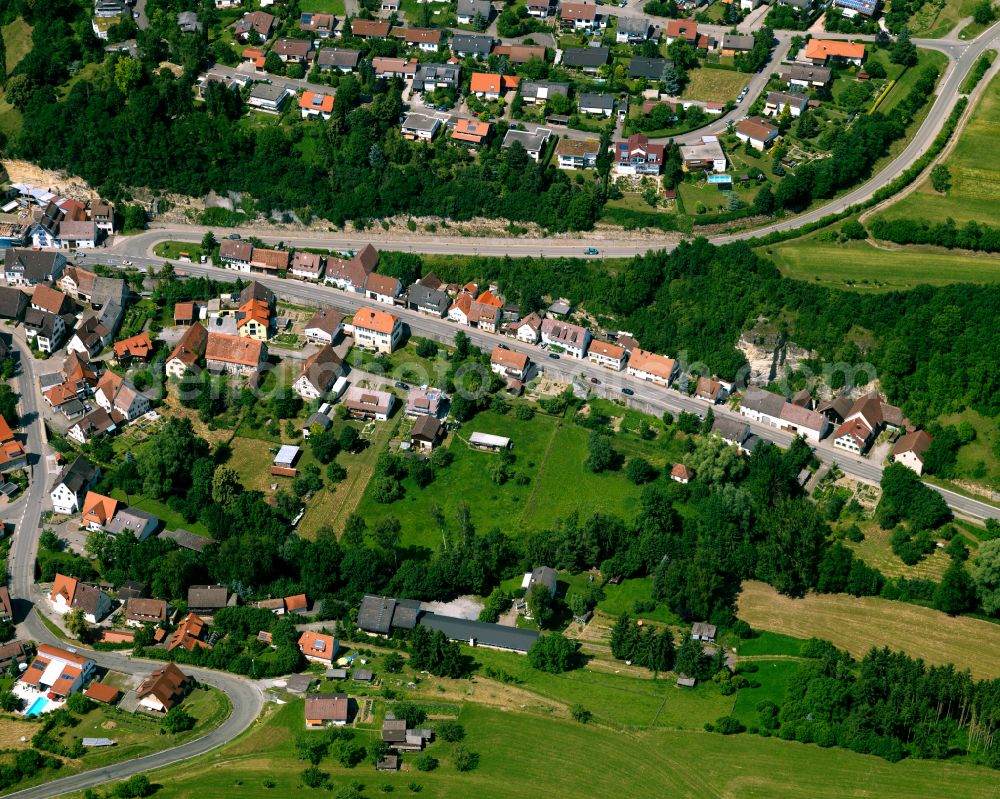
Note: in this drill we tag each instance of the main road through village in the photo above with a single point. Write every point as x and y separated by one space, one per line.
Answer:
247 697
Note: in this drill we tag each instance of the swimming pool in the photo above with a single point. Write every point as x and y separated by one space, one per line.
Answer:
37 707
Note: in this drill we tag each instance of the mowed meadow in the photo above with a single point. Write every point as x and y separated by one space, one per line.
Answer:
521 755
975 173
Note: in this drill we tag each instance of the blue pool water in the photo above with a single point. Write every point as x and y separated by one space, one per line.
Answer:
37 707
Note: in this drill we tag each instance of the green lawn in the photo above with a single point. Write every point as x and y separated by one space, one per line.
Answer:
862 267
549 481
621 598
975 173
335 7
978 459
173 250
773 675
524 755
172 520
910 77
714 85
768 643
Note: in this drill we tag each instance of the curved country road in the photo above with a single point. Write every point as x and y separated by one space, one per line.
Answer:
246 697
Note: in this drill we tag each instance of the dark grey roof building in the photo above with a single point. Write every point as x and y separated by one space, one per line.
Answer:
12 303
466 44
428 300
585 58
481 633
382 614
337 58
207 598
649 68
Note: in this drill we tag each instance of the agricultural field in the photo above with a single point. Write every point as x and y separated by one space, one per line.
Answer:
335 7
859 623
515 760
714 85
974 164
862 266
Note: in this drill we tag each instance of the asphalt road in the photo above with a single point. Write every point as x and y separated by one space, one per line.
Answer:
246 697
647 397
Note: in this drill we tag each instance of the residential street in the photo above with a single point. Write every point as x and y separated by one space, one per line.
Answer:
647 397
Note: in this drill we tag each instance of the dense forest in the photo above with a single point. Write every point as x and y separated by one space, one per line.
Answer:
931 347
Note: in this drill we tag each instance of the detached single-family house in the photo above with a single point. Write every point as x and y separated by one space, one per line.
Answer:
581 16
734 44
386 67
117 395
207 598
325 326
47 330
322 25
140 611
577 153
586 59
89 338
337 58
314 104
97 511
573 339
492 86
12 452
509 363
94 425
819 51
541 9
370 29
318 647
805 76
383 288
187 352
424 402
268 97
463 44
707 156
427 431
23 267
684 29
57 671
776 103
307 265
910 448
468 10
425 39
680 473
367 403
134 348
596 104
319 372
259 22
633 30
420 126
714 391
378 330
429 77
758 131
529 329
163 689
69 593
189 634
535 92
73 484
428 300
533 142
138 523
293 51
636 156
649 366
606 354
325 710
649 68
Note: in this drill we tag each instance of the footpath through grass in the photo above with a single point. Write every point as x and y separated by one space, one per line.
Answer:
523 755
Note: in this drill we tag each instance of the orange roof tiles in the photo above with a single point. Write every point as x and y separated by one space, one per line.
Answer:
98 509
191 346
471 130
491 83
314 101
296 603
233 349
10 449
488 298
101 692
318 645
371 319
65 587
138 346
822 49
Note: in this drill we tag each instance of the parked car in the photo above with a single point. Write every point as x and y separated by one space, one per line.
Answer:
503 346
554 355
234 236
595 381
402 385
628 392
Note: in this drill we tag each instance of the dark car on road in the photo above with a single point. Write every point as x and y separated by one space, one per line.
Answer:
554 355
628 392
